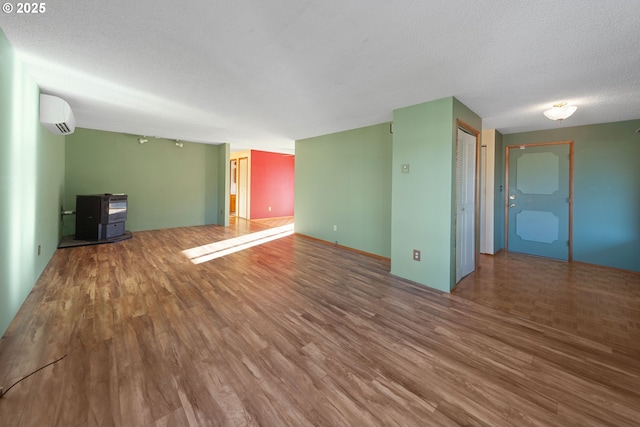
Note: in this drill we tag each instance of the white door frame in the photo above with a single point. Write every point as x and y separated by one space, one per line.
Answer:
243 188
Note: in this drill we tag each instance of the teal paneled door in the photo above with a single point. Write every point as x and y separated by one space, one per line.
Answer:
539 200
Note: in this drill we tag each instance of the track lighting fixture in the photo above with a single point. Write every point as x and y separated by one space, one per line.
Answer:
143 139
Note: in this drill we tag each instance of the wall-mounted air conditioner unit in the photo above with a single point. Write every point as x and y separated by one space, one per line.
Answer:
56 115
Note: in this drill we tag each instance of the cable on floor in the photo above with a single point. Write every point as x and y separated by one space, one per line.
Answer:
2 393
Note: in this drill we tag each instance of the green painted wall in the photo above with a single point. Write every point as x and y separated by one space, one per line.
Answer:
498 205
344 179
423 201
606 211
167 186
31 185
421 213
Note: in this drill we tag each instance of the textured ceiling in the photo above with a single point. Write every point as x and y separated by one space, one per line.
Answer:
260 74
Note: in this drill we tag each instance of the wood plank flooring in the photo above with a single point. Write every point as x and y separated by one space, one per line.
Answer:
290 333
602 304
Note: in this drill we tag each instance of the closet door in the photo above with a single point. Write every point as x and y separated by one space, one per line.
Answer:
465 204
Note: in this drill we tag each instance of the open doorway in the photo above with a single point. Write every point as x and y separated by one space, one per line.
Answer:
233 186
239 187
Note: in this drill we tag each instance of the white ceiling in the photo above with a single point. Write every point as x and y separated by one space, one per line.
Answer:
260 74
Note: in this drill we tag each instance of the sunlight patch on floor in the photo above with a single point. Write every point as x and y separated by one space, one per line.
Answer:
215 250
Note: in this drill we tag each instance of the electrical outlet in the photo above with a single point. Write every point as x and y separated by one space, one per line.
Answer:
416 255
269 208
335 227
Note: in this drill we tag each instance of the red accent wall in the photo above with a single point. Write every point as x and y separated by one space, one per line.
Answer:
272 177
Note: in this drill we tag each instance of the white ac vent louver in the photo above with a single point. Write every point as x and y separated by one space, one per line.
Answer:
56 115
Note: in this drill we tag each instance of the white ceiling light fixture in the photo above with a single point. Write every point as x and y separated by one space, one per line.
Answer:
560 111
